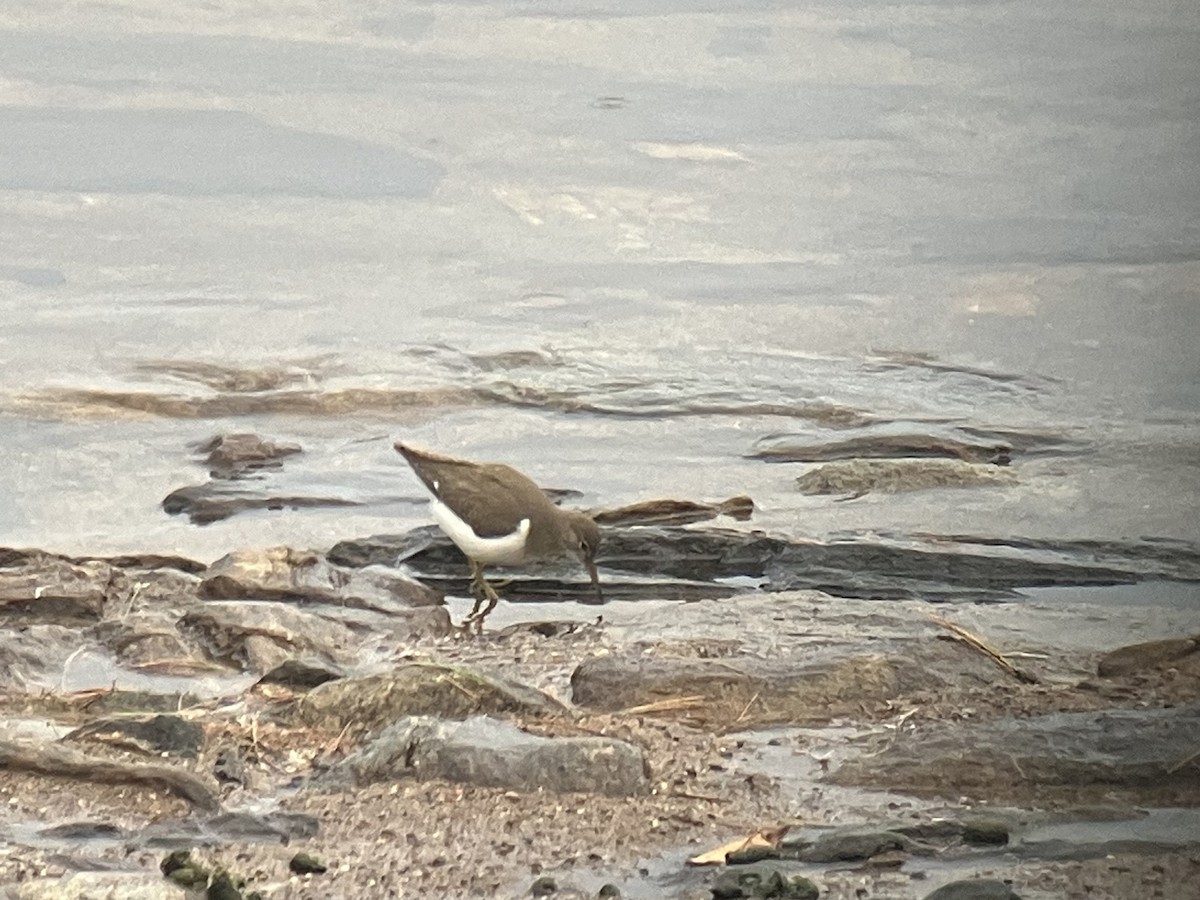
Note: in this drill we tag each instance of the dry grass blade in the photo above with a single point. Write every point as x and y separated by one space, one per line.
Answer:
671 704
985 648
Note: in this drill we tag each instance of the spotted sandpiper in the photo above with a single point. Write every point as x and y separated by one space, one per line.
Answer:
497 516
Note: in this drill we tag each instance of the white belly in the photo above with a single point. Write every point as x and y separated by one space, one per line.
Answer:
507 550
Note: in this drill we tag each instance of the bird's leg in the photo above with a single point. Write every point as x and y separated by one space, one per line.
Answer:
481 591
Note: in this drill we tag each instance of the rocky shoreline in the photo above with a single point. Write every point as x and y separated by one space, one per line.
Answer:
282 702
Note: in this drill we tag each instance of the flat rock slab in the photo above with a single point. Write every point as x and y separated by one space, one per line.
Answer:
748 691
1142 750
285 574
374 702
491 753
262 636
49 588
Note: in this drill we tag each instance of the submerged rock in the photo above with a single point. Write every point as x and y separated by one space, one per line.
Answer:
1150 655
213 501
373 702
920 440
230 455
491 753
861 476
843 845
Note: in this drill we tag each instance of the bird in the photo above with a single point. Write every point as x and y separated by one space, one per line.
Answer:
497 516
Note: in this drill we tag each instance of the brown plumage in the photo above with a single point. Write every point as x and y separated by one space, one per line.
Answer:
493 501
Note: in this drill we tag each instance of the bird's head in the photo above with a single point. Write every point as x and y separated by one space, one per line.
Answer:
584 537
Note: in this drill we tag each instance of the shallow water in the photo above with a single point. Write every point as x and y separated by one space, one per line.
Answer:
617 249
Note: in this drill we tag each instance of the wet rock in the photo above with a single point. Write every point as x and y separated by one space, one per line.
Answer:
120 701
63 762
307 864
985 832
1145 752
919 440
229 766
162 734
811 686
1148 655
843 845
35 655
762 880
491 753
180 868
230 827
373 702
263 636
230 455
48 588
974 889
281 573
84 831
101 886
674 512
143 638
204 504
892 476
302 674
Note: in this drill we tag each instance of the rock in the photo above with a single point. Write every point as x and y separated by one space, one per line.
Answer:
204 504
860 476
302 674
985 832
57 761
373 702
842 845
690 563
974 889
491 753
1148 655
262 636
84 831
145 637
230 455
35 655
765 880
307 864
48 588
281 573
162 734
101 886
1138 751
543 887
230 827
810 686
920 440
